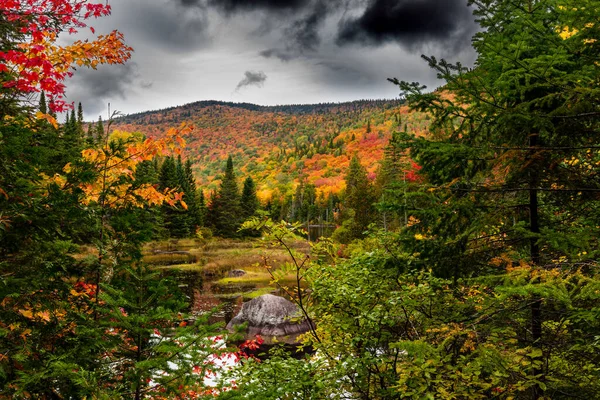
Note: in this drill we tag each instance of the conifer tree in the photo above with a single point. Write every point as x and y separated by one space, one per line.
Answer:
249 202
42 105
72 138
80 130
100 134
506 165
191 197
225 206
89 138
79 113
358 198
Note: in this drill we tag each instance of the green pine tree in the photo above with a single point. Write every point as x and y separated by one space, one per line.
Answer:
506 168
100 133
358 200
89 137
42 105
195 206
80 114
249 203
225 209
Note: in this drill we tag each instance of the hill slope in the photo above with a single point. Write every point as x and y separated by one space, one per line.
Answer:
279 146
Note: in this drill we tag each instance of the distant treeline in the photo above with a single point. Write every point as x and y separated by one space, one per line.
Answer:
294 109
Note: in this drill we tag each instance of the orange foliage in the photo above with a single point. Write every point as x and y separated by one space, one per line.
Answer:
113 184
280 149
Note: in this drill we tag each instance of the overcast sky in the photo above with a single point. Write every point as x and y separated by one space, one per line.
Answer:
271 51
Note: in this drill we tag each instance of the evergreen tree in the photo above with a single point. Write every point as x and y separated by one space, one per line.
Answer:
249 202
396 175
168 180
225 206
72 138
79 123
195 218
42 105
506 167
100 134
80 115
89 138
176 219
358 199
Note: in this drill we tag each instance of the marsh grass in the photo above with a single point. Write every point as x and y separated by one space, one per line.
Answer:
251 278
216 258
249 295
174 245
258 292
166 259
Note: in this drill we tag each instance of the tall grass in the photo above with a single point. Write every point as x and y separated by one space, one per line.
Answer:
165 259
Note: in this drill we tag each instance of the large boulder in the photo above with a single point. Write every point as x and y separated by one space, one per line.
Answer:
274 318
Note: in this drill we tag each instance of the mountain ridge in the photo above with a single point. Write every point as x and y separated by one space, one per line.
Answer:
292 108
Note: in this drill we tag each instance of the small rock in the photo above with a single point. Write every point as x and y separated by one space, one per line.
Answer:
234 273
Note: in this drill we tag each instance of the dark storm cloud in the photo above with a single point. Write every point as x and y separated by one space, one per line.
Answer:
256 78
304 34
269 5
300 37
411 23
245 5
191 3
96 88
299 21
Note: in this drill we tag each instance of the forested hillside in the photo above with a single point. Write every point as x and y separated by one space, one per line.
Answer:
281 146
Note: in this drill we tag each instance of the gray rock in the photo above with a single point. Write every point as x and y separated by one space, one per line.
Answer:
234 273
273 318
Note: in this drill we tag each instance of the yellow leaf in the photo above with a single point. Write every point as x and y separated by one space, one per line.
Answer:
47 117
25 333
183 204
26 313
44 315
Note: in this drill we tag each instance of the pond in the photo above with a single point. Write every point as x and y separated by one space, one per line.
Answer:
222 274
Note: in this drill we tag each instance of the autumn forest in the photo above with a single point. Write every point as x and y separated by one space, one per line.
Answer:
440 245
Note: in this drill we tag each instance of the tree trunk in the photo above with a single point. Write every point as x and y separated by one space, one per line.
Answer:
534 250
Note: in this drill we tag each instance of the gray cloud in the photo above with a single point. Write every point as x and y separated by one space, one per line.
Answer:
256 78
411 23
94 89
269 5
313 50
277 53
414 24
304 33
160 24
